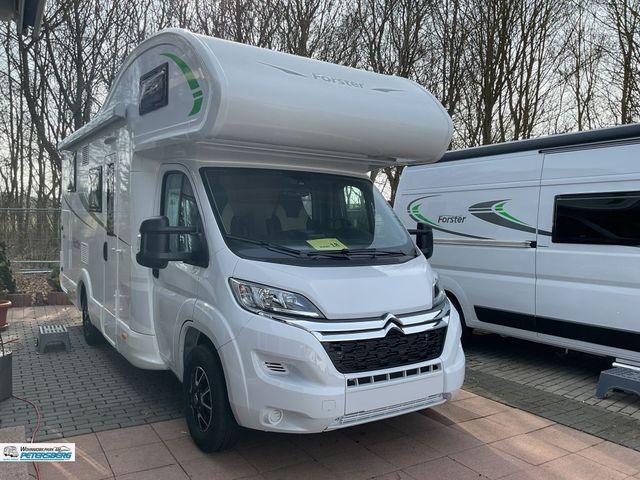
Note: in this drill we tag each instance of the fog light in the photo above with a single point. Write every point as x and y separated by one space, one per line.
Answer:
274 416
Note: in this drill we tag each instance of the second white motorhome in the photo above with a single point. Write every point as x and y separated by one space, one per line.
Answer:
219 222
539 239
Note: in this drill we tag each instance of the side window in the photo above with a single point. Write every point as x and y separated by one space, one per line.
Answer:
598 218
179 206
154 89
69 165
356 208
111 183
94 199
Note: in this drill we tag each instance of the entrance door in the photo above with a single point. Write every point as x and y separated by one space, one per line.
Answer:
588 287
177 284
111 250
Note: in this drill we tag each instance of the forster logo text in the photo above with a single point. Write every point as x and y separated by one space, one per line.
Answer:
337 81
451 219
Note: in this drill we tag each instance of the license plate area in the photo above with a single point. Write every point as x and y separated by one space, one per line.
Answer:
375 396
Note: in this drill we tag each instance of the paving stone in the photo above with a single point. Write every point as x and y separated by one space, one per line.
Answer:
441 469
615 419
87 389
489 461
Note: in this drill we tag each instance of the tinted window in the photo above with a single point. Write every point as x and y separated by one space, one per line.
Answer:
154 89
308 213
111 179
94 198
356 210
69 164
598 218
179 206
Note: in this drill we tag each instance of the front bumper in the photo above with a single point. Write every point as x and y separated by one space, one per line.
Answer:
280 378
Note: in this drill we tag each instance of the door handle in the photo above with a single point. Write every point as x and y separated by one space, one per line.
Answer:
117 250
104 251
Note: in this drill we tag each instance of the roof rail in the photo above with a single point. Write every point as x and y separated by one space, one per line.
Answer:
621 132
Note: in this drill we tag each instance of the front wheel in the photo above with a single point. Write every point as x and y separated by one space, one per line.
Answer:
91 334
209 417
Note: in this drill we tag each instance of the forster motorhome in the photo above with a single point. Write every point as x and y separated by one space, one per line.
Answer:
539 238
219 222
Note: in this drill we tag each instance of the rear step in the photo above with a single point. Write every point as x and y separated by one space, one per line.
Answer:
621 376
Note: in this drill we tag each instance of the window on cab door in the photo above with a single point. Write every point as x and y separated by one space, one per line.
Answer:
179 206
598 218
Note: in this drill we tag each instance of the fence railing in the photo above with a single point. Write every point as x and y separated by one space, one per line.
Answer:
32 237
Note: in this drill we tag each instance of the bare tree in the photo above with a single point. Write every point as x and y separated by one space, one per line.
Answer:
393 38
503 69
624 15
534 59
580 71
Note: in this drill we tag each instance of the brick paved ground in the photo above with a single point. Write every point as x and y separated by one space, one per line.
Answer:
560 387
469 438
85 390
573 375
92 389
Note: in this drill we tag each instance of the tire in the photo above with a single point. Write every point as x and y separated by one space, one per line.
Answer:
91 334
213 427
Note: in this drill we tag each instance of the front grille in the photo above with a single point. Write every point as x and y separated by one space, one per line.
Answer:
394 350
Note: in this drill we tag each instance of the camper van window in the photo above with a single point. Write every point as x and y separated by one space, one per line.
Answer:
304 217
94 199
69 165
154 89
111 183
598 218
179 206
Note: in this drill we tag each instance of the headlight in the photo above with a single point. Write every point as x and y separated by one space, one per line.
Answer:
263 299
439 294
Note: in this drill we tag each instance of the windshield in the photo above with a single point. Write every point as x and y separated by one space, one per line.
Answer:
293 217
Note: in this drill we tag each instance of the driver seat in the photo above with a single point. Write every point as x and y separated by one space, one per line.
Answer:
290 214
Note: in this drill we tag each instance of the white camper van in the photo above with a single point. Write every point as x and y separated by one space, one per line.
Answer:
539 239
218 221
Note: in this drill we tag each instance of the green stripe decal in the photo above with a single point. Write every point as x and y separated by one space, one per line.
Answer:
197 105
415 210
500 211
190 77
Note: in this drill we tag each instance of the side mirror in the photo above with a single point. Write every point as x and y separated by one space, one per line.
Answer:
424 238
155 246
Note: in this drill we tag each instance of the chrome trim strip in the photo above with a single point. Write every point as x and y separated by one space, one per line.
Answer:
360 329
367 415
381 333
482 243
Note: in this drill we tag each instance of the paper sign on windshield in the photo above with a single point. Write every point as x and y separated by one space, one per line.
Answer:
327 244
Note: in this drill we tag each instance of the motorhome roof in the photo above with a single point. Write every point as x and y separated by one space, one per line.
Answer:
610 134
226 93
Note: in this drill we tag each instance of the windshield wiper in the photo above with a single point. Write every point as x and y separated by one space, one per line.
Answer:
345 253
351 252
274 247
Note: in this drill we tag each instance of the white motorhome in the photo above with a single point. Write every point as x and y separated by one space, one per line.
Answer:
219 222
538 239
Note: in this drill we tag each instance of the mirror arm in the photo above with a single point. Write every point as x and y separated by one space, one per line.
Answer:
174 257
170 231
